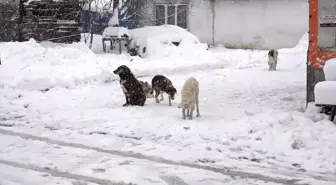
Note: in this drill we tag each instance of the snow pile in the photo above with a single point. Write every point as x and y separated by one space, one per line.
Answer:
303 42
158 41
115 32
30 65
329 70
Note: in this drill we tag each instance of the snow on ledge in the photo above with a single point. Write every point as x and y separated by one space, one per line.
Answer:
115 32
324 93
329 70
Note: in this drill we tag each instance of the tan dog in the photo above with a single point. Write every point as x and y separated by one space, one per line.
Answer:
147 88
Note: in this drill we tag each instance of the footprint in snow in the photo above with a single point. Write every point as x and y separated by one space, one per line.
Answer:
98 170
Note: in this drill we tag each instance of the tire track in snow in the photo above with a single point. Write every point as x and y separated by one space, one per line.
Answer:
226 172
57 173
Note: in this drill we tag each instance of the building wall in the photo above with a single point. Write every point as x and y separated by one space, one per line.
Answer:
200 20
249 23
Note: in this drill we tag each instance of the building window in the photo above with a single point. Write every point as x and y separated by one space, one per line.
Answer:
171 14
160 15
182 16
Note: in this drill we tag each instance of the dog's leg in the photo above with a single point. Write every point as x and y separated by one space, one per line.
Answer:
157 92
170 104
161 96
197 108
191 113
188 112
274 66
183 114
270 63
127 101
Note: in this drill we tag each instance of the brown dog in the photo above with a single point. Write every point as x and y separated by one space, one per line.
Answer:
147 88
162 84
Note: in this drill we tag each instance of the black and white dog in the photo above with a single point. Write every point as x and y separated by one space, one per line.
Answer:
131 87
272 59
162 84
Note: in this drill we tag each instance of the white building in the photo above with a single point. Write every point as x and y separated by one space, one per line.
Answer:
235 23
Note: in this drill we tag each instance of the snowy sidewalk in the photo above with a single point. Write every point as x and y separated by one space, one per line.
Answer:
52 161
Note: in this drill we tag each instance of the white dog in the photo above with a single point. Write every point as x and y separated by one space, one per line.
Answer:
189 98
272 59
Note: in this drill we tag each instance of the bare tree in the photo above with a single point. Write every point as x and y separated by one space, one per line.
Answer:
96 6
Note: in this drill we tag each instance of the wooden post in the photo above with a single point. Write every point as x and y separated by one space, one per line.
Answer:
119 45
104 45
128 43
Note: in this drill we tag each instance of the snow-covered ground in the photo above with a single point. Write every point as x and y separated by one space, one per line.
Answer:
62 119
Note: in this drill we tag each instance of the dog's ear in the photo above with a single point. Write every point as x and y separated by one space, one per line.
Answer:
146 82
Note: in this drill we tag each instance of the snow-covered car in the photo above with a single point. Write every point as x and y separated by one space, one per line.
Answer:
165 40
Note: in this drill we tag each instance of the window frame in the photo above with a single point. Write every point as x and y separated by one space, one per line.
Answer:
166 5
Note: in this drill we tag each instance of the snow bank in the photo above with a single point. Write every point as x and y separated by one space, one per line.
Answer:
158 41
303 42
329 69
34 66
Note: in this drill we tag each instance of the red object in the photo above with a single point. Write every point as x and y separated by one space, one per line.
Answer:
316 56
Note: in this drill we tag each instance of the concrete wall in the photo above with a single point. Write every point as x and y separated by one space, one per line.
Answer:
249 23
200 20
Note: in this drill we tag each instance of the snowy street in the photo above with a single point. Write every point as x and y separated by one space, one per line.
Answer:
62 120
